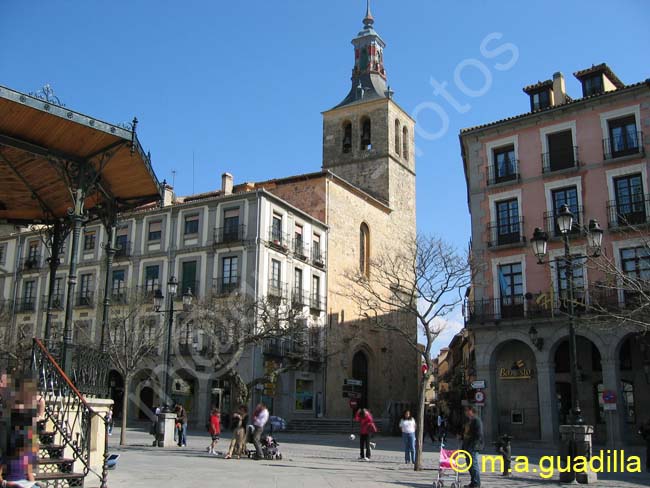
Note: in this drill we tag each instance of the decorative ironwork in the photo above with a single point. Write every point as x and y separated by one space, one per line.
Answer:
68 413
47 95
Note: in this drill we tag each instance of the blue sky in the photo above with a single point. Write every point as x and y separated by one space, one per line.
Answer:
241 85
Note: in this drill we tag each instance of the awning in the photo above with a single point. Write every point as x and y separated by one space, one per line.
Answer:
43 148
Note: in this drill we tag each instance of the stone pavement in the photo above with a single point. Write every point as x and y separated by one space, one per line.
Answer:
309 460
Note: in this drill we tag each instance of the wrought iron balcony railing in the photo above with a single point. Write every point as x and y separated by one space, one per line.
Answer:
229 234
31 263
550 222
119 295
503 174
627 144
26 305
86 298
508 233
58 301
298 298
225 285
277 289
123 249
148 290
317 302
562 159
278 239
300 249
318 257
188 286
634 211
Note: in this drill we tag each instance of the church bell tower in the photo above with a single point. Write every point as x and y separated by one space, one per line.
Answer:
368 138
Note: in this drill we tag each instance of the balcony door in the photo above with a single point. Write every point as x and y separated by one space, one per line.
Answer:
630 200
623 136
230 277
511 286
508 226
189 278
566 196
560 151
505 165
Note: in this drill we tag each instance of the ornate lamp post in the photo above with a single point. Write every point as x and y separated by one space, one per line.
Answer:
158 298
539 242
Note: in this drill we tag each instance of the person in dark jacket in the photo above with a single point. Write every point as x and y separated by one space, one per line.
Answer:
473 444
505 449
644 432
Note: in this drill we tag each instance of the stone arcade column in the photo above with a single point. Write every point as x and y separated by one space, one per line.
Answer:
547 403
613 418
490 425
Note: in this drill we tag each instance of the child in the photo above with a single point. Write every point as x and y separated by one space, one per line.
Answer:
214 429
503 448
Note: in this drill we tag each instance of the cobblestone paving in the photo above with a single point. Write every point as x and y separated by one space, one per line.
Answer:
310 461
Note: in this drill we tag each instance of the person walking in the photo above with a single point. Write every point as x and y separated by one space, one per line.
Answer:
214 428
260 417
109 420
367 428
473 444
407 426
238 441
181 425
644 432
442 428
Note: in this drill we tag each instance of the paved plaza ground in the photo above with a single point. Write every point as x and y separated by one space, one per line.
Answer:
310 461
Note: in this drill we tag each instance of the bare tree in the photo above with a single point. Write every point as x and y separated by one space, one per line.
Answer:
133 339
410 294
627 278
232 324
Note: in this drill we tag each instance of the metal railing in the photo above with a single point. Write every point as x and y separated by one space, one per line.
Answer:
229 234
187 286
120 295
298 298
626 214
67 411
316 302
277 289
26 305
510 232
58 301
318 257
86 298
559 160
225 285
279 239
149 290
508 174
123 249
550 223
31 263
625 145
300 249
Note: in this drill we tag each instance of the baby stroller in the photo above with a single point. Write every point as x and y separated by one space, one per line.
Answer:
445 470
270 447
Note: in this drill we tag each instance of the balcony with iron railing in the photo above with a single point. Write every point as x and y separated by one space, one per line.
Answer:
26 305
279 240
119 295
148 290
188 286
316 302
85 298
277 289
509 173
58 301
123 249
564 159
509 233
553 230
298 298
318 257
229 235
225 285
628 144
633 211
300 249
31 263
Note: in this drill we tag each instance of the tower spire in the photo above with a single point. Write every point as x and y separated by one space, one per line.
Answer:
368 20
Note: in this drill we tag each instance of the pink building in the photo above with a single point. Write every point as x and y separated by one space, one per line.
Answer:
590 154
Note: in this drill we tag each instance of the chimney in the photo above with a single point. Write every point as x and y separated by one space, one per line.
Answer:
168 195
559 89
226 184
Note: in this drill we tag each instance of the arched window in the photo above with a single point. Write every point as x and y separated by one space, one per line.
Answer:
405 143
347 137
366 134
397 144
364 249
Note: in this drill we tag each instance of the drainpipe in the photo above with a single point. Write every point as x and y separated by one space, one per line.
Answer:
19 252
255 281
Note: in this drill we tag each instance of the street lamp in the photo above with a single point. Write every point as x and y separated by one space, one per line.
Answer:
564 222
158 299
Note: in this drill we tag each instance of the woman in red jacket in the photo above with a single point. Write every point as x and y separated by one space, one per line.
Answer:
368 427
215 430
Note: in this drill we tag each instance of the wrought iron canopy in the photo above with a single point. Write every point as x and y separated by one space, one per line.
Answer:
45 147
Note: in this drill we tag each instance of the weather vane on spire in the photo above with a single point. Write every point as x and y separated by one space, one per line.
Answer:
369 19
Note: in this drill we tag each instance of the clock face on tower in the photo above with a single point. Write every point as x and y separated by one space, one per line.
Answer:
363 62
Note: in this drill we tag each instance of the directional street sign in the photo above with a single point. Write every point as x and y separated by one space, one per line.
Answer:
353 382
478 385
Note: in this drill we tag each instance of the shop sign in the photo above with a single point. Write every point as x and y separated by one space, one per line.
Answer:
518 371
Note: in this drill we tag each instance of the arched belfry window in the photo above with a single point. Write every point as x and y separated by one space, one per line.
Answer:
405 143
397 143
366 134
364 250
347 137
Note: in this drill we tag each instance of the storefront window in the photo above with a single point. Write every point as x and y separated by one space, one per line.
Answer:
304 395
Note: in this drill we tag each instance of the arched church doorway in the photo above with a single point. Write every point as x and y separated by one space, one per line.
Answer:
360 372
